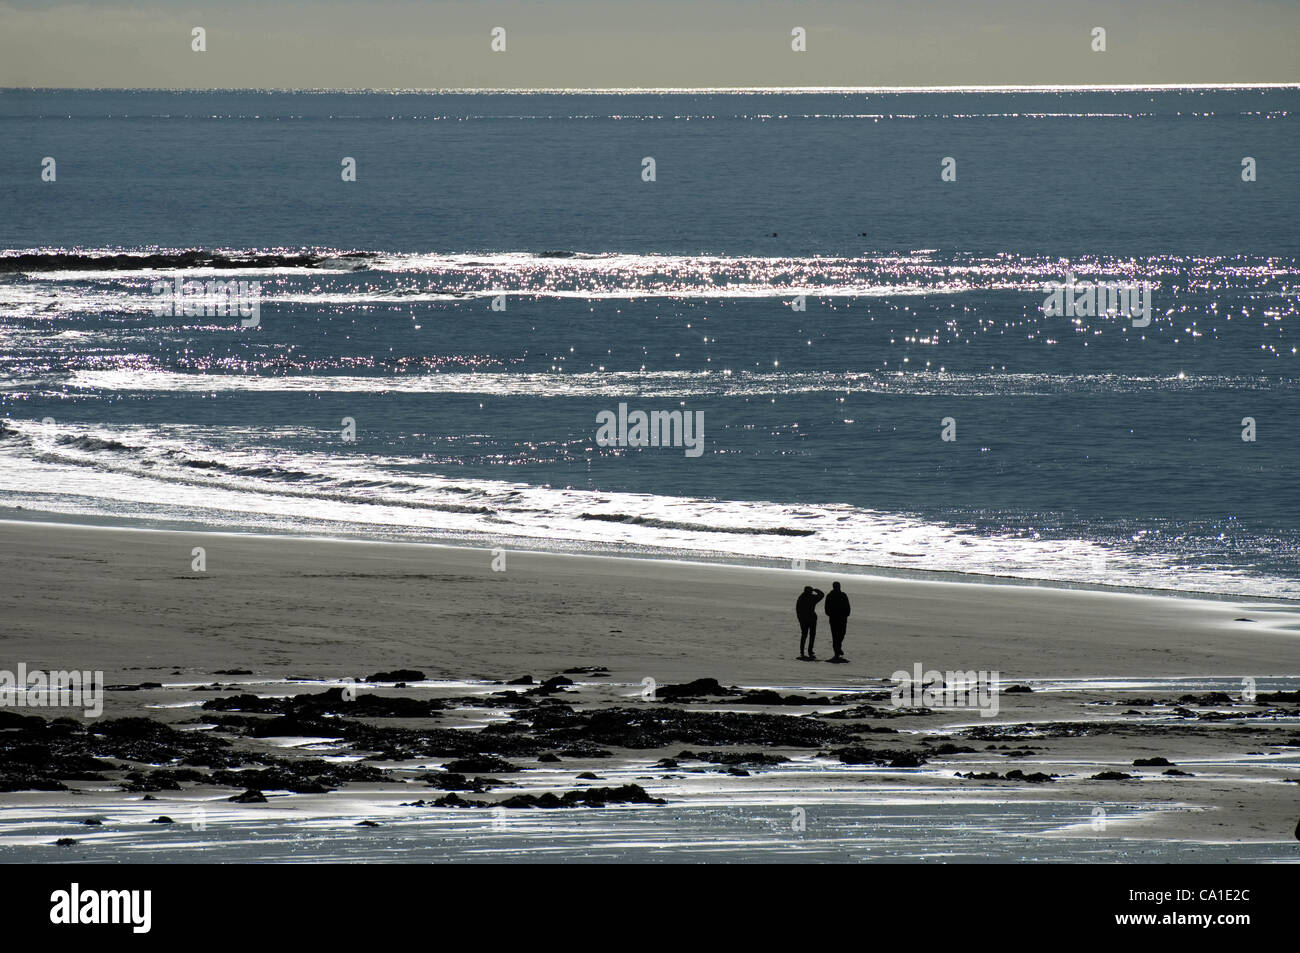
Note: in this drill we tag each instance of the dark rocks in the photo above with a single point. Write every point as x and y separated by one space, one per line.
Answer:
164 819
1209 698
657 727
876 756
1112 776
699 688
331 702
592 671
483 764
551 686
585 797
397 675
1274 697
450 781
138 782
40 755
547 757
588 776
28 781
585 751
948 748
729 757
1175 773
871 711
65 842
521 680
300 777
248 797
1036 778
1017 690
1151 763
1017 775
768 697
366 823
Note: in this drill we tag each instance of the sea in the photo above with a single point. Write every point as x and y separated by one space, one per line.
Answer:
438 296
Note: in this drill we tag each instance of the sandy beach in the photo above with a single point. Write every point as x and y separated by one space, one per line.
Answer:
1113 678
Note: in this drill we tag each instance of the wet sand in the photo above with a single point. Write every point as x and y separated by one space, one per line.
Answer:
1116 677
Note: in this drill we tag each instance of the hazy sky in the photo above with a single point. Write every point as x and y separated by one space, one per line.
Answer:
568 43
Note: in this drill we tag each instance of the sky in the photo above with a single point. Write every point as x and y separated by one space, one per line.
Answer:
617 43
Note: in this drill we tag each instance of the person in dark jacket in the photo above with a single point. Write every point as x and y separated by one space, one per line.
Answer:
805 610
837 613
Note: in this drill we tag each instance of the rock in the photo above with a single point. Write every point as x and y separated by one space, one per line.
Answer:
521 680
588 776
1017 690
1111 776
949 748
1036 778
550 686
483 764
894 759
547 757
92 822
1017 775
1175 773
584 797
1151 763
367 824
1209 698
65 842
1293 697
695 689
311 705
656 726
164 819
449 781
736 757
585 751
248 797
398 675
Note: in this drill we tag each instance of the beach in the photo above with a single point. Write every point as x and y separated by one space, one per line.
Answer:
1113 677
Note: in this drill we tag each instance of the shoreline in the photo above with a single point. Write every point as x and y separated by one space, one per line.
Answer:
621 552
229 679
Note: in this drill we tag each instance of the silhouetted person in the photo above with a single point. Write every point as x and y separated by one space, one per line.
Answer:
805 609
837 613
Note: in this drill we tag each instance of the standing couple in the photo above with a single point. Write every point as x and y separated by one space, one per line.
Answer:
837 613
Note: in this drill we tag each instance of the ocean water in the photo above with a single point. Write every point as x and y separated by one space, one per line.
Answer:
1087 449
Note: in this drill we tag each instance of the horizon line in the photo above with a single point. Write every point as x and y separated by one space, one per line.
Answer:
667 90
